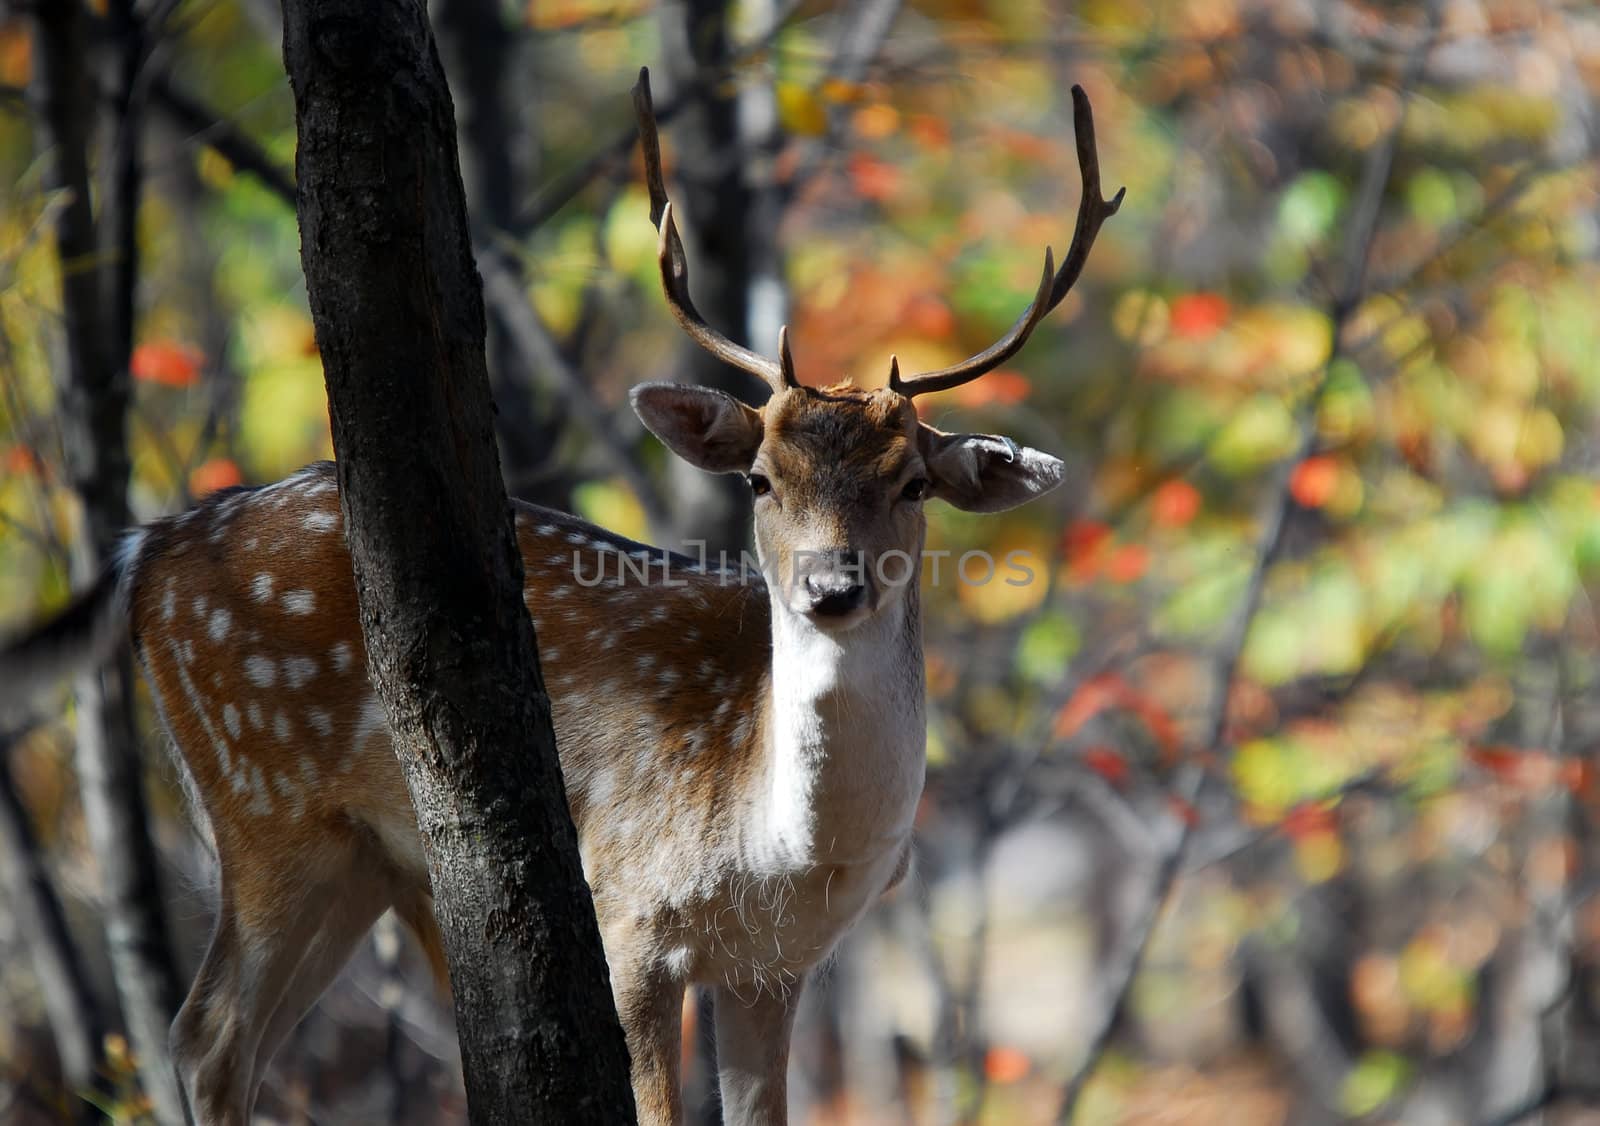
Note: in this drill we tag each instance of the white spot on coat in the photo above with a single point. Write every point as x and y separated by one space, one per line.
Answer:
319 721
299 671
300 602
260 671
260 801
261 587
286 787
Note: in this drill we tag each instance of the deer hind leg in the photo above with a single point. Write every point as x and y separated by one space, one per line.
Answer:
415 909
345 922
207 1028
269 931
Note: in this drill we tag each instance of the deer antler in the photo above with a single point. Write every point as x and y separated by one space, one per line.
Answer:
1092 211
778 374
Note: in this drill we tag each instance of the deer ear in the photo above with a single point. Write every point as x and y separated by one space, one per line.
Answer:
985 472
706 428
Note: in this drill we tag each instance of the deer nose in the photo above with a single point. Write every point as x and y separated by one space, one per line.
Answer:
834 597
835 585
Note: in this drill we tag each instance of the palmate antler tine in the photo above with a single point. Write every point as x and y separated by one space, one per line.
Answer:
675 263
1093 210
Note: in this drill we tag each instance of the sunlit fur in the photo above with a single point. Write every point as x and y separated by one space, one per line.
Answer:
838 459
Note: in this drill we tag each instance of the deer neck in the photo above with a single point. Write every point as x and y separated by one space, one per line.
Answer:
844 739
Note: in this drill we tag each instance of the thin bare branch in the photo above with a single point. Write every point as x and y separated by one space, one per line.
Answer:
224 138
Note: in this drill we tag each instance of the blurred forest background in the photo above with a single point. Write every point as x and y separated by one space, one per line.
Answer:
1273 799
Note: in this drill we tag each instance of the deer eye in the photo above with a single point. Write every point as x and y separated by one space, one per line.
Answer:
915 489
759 485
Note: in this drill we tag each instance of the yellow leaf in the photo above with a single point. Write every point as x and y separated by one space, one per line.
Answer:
801 111
1318 857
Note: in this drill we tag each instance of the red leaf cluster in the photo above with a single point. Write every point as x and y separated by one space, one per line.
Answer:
1199 315
167 363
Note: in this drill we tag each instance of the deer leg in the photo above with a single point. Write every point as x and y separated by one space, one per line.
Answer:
211 1084
650 1006
344 924
753 1054
266 921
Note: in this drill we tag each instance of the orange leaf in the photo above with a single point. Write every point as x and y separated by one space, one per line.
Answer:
1496 760
166 363
1083 543
1314 480
1308 819
16 60
1199 315
1128 563
931 319
930 132
1578 776
875 121
1003 387
1107 763
1528 767
1093 696
873 179
1027 147
1006 1065
218 473
1174 504
23 459
842 92
1162 727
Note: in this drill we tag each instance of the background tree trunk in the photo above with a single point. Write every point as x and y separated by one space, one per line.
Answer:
399 318
481 50
76 1021
724 243
94 407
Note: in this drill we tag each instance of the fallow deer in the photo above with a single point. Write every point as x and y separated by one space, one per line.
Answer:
742 753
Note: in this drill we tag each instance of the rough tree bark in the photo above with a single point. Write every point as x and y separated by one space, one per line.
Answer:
94 404
399 319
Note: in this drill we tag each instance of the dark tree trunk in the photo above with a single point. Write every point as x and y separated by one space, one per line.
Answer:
76 1021
716 199
399 319
94 406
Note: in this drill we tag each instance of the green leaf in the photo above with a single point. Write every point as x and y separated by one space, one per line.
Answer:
1045 648
1375 1079
1308 208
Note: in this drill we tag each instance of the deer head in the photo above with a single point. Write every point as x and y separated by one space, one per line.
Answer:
840 474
